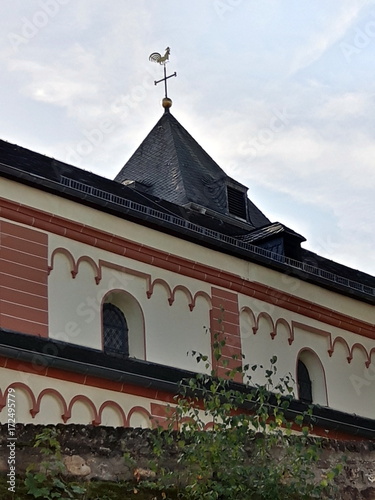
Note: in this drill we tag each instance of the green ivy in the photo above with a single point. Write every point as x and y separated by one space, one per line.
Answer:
46 481
250 451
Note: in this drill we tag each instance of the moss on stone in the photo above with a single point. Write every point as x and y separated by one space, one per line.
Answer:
96 490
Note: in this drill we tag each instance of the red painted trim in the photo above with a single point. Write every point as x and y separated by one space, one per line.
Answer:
35 410
35 403
11 255
344 342
139 409
164 284
158 415
314 330
91 381
23 233
231 307
24 326
361 348
269 320
27 389
23 285
87 401
368 363
186 292
22 245
24 307
161 414
117 407
225 321
98 269
216 277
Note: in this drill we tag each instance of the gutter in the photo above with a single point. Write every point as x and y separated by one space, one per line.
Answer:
55 187
159 377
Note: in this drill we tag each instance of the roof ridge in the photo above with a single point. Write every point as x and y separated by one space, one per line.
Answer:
168 117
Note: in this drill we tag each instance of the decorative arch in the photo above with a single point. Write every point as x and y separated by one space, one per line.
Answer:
185 291
283 322
84 399
54 393
118 409
345 344
290 328
209 426
268 319
204 295
247 322
171 294
142 411
250 313
191 300
163 283
368 363
316 374
74 265
68 255
359 347
97 270
27 390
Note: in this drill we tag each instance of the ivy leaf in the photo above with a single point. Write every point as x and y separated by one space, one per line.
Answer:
34 489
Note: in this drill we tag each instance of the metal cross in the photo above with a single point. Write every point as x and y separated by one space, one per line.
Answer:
165 80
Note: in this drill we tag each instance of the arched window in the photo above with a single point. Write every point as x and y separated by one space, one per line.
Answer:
311 381
304 383
115 331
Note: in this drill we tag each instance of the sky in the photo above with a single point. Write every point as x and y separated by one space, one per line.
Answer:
280 93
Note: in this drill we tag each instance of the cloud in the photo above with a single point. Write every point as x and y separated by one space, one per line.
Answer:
306 138
64 82
333 30
345 106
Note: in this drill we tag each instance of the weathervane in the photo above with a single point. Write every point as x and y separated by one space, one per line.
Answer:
158 58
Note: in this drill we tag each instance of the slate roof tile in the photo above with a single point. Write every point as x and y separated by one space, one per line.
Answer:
181 171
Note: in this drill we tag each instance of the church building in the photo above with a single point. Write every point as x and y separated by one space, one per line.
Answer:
107 286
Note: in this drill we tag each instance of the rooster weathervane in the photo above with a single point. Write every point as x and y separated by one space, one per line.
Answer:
158 58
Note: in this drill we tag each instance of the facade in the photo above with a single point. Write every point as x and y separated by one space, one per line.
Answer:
106 286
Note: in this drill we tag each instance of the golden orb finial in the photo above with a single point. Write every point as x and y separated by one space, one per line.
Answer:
166 103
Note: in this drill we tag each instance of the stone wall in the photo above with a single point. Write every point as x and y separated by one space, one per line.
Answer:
97 454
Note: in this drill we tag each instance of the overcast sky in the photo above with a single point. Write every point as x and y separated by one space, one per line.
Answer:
279 92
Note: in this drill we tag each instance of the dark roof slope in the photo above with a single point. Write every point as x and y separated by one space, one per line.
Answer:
179 170
270 231
317 261
223 233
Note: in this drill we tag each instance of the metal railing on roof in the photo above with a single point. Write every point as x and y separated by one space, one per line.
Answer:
180 222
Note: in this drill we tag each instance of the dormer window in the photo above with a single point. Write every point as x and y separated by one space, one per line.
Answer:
237 202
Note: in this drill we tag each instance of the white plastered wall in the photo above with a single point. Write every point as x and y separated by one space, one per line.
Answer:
170 331
350 386
83 410
149 237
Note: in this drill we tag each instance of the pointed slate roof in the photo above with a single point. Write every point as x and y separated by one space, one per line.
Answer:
47 174
174 167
